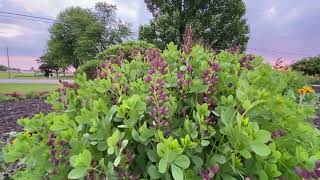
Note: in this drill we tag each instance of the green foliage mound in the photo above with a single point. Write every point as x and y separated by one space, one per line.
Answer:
90 68
173 115
128 50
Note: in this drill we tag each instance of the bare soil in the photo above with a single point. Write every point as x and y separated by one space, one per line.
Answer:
11 111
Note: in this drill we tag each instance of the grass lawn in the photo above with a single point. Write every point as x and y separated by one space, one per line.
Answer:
4 75
26 88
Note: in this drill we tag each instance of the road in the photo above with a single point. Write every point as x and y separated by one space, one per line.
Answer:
32 81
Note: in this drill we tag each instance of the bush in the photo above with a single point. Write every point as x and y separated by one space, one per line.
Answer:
173 115
309 66
90 68
127 50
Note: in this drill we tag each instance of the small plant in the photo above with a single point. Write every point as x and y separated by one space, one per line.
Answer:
173 115
31 95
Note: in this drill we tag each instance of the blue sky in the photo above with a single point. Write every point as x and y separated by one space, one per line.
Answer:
279 28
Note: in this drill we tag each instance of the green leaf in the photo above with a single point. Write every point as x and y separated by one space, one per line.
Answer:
227 177
102 146
145 132
246 154
163 165
101 164
182 161
153 172
177 173
262 136
228 115
197 161
301 154
260 149
117 161
81 160
221 159
152 155
262 175
77 173
203 109
205 142
198 87
16 151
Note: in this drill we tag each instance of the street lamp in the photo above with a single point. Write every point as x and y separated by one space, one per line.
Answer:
8 59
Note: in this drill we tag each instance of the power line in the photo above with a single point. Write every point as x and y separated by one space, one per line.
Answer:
29 16
22 18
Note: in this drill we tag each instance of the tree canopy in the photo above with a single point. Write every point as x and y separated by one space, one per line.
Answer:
218 23
309 65
79 34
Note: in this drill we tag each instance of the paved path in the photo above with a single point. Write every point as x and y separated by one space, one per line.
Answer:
32 81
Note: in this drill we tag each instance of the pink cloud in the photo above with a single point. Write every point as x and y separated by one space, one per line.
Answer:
22 62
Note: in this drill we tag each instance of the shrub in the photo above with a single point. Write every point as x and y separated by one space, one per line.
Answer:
127 50
89 68
173 115
309 66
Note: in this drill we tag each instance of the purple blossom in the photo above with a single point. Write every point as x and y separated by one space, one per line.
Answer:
208 174
278 133
205 174
214 169
180 75
189 68
148 79
215 66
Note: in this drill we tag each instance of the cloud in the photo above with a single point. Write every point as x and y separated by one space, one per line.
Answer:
271 11
10 30
126 9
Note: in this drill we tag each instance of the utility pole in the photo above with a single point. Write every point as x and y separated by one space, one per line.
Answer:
9 71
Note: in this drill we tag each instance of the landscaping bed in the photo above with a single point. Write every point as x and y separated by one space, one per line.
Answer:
11 111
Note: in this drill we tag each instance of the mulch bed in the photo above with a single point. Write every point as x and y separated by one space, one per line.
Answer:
11 111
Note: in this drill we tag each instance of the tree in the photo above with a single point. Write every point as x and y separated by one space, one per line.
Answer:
79 34
3 68
309 65
218 23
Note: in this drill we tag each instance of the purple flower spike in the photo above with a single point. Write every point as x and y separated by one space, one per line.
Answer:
189 68
180 75
214 169
148 79
215 67
205 174
161 82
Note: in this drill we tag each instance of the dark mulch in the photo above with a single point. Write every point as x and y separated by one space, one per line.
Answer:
11 111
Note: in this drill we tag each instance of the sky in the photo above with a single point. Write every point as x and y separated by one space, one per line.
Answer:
287 29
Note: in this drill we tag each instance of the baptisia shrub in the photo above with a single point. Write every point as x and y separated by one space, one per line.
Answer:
119 52
173 115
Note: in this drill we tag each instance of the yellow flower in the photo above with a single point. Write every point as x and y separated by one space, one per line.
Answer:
309 89
14 141
301 91
306 89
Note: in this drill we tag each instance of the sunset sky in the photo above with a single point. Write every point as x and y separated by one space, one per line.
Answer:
279 28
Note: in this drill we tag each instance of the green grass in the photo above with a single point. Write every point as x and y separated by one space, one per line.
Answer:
5 98
4 75
26 88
